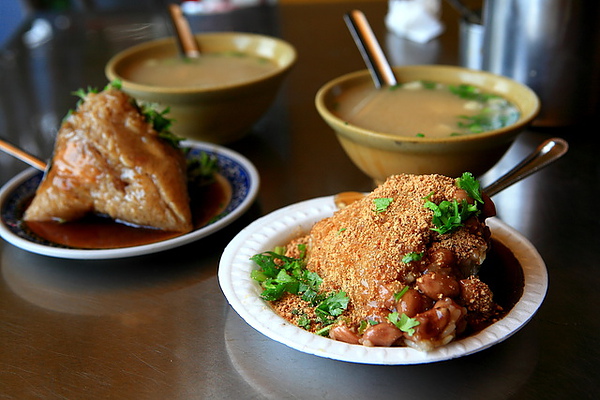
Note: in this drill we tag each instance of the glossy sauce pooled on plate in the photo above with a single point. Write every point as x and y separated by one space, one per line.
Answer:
208 70
97 232
424 109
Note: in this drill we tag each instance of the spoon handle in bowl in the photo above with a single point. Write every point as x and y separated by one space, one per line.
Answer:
185 38
22 155
545 154
369 48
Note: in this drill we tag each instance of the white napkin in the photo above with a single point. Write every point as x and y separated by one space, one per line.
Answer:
416 20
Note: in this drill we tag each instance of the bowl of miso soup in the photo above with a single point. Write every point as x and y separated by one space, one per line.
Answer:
216 97
437 119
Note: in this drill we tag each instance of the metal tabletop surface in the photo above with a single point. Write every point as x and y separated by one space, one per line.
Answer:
159 327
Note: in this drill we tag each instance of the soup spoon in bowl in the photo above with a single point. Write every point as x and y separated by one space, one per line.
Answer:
369 48
188 46
22 155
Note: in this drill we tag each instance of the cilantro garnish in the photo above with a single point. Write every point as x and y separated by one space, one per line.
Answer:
450 215
279 274
331 307
364 324
382 203
412 256
398 296
403 322
304 321
160 123
81 93
470 185
470 92
201 170
429 85
483 122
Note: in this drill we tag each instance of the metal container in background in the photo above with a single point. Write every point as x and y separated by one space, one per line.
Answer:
553 46
470 43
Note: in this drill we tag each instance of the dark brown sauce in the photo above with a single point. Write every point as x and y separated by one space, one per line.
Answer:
96 232
503 273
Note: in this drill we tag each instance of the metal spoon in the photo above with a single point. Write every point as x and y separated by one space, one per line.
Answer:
545 154
369 48
188 47
22 155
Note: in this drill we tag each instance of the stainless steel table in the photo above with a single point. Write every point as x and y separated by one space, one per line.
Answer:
158 327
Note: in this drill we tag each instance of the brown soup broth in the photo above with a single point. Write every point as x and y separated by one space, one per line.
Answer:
424 109
99 232
209 70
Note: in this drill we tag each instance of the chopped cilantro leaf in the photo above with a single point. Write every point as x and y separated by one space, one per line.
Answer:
160 123
398 296
304 321
201 170
450 215
364 324
382 203
470 92
324 331
470 185
403 322
279 274
331 307
429 85
412 256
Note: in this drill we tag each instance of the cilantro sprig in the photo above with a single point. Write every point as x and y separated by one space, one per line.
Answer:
488 118
470 92
403 322
279 274
450 215
412 256
469 184
402 292
382 204
201 170
331 307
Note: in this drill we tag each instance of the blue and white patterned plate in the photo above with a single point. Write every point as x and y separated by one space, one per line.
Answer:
239 172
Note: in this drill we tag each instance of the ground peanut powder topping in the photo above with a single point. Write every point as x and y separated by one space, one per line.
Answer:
360 250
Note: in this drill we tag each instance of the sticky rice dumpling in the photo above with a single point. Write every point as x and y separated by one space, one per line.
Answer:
108 159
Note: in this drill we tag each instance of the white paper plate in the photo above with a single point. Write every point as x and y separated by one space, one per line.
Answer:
278 227
239 172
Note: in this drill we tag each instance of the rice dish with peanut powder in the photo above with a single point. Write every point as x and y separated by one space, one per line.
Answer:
398 267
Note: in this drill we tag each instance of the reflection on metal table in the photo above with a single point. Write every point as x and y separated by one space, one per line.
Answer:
158 326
